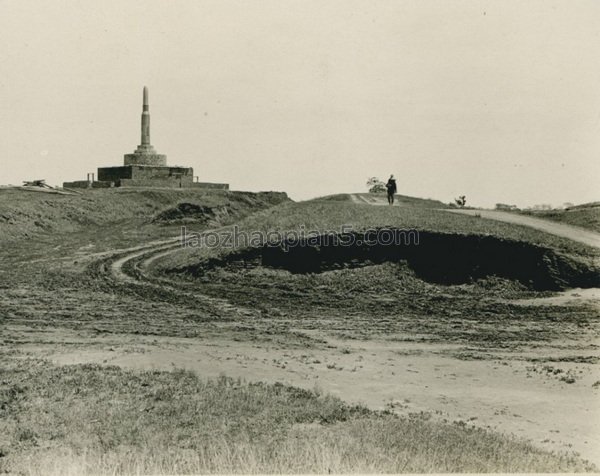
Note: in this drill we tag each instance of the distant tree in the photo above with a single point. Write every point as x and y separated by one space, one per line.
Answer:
375 185
461 201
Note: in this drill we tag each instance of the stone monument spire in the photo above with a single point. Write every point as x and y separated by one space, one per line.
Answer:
146 119
145 153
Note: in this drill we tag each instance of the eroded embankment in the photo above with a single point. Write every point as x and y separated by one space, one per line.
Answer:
435 257
26 214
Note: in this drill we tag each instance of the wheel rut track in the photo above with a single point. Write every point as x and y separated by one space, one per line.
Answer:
129 268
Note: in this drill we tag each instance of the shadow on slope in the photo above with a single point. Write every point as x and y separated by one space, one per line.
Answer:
439 258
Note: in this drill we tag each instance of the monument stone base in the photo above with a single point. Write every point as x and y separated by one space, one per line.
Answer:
147 176
157 160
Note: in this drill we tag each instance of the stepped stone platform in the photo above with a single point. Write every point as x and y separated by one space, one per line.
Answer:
145 154
145 176
145 167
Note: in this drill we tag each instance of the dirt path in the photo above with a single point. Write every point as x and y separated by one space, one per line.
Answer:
375 200
508 393
574 233
559 229
578 296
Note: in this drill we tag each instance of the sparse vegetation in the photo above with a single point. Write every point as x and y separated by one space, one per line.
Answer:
91 419
87 419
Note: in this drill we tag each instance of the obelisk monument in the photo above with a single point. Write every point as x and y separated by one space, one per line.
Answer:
145 120
145 153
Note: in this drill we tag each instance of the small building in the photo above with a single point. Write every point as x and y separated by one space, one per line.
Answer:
145 167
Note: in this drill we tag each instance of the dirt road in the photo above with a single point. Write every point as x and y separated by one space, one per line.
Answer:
574 233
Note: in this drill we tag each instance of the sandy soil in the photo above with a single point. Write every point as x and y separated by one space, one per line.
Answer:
577 296
505 392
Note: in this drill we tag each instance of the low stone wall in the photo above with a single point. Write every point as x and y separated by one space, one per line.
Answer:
214 186
86 184
154 182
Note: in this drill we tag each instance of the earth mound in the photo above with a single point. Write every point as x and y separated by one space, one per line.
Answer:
24 214
441 258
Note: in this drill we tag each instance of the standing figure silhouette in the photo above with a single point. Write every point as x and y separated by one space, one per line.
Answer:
391 189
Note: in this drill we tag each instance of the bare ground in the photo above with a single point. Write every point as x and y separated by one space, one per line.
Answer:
514 392
546 391
519 390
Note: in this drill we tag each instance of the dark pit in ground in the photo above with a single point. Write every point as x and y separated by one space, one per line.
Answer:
435 257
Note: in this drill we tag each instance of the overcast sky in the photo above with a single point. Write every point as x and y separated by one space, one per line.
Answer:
495 100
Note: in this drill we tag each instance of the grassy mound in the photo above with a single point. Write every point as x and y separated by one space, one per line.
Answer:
89 419
26 214
400 200
333 216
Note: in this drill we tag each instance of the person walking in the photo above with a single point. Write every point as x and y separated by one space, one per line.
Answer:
391 189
